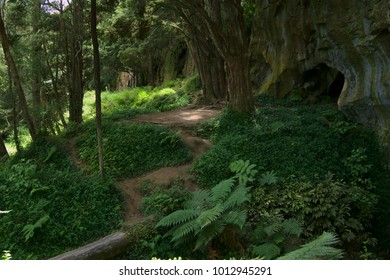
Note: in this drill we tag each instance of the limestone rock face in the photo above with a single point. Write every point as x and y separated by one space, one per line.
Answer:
339 48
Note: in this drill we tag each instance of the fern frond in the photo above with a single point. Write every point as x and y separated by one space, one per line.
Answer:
200 201
28 230
292 226
320 248
52 150
209 233
178 217
239 196
210 216
185 229
238 166
268 178
273 228
237 218
221 190
266 251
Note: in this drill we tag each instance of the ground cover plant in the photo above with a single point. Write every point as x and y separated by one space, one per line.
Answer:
327 172
132 149
54 206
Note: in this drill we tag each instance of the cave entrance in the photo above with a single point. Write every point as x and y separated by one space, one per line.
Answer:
323 83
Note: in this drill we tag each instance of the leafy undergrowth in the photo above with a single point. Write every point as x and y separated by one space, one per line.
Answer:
132 149
128 103
54 207
324 171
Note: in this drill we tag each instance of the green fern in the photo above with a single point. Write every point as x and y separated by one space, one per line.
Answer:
280 233
185 230
209 233
267 251
220 191
268 178
238 197
209 212
320 248
245 171
178 217
28 230
237 218
210 216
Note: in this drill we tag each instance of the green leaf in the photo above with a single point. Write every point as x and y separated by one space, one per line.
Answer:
237 218
220 191
178 217
28 230
208 233
185 229
52 150
320 248
237 198
209 216
266 251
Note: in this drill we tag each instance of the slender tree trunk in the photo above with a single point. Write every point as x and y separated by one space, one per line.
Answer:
15 114
3 149
76 93
96 64
55 89
16 80
36 66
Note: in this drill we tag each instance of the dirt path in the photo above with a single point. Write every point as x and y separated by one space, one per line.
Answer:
184 121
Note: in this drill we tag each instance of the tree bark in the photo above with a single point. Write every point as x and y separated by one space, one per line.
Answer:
76 93
223 22
3 149
96 64
57 94
16 80
208 61
36 66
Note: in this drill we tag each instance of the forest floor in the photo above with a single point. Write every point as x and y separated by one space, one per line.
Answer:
185 121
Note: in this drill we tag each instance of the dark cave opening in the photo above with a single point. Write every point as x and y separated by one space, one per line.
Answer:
322 83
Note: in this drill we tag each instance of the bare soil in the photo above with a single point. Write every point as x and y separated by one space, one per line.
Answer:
184 121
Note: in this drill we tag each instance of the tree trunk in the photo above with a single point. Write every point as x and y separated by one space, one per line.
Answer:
36 66
239 85
76 93
16 80
223 23
57 94
3 149
96 64
15 114
208 61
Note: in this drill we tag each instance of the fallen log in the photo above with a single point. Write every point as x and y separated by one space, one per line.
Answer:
103 249
112 245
